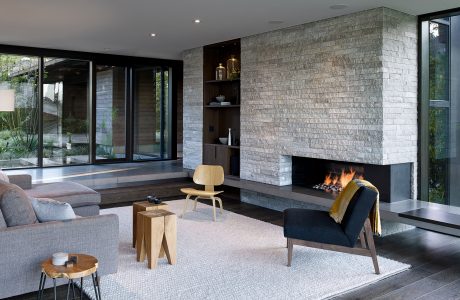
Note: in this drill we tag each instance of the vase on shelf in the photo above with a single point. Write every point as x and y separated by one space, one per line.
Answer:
229 137
220 72
233 68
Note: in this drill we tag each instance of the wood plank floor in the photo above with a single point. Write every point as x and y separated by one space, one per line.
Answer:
435 260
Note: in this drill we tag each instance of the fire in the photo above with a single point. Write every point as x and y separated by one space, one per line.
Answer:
337 182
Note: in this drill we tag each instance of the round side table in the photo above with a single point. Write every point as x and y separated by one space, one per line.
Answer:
86 265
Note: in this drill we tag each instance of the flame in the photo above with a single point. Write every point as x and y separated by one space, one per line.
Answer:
341 181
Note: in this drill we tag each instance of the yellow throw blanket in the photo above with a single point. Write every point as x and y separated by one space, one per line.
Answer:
339 207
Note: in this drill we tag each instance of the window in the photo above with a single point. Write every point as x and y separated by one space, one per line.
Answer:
65 112
19 122
110 112
152 116
440 124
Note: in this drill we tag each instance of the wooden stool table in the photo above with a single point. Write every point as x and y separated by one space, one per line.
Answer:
86 265
156 237
144 206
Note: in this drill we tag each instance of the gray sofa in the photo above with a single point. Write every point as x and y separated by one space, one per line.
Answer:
84 201
23 248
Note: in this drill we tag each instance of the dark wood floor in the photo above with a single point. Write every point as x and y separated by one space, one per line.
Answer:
435 260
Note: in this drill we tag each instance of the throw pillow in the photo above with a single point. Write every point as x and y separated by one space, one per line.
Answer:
3 176
2 221
16 207
52 210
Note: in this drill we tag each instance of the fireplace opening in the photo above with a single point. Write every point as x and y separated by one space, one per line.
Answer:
330 176
337 177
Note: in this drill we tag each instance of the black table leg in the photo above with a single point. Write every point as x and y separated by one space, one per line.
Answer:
81 288
73 289
43 286
40 286
54 284
98 281
68 290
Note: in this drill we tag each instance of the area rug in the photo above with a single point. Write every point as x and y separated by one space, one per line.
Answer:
235 258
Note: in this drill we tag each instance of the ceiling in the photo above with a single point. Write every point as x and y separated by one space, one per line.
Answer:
124 26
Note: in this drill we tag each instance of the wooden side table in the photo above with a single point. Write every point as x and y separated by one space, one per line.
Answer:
159 235
144 206
86 265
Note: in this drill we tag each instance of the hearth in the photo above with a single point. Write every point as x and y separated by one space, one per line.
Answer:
330 176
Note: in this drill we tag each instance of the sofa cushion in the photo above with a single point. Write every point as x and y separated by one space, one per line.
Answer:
3 176
51 210
315 226
2 221
16 207
75 194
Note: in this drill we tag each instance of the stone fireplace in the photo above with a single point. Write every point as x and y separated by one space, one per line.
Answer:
330 176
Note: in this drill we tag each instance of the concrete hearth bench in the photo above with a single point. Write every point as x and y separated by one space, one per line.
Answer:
84 201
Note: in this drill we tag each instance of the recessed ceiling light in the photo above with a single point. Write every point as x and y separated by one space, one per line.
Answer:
338 6
153 35
197 21
275 22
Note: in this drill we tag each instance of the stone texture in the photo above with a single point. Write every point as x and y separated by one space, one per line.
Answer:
336 89
193 108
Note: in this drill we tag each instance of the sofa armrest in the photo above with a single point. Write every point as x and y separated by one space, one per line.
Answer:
24 181
23 248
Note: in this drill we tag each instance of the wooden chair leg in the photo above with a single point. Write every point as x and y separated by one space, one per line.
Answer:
220 205
290 245
185 206
214 208
370 242
362 240
196 201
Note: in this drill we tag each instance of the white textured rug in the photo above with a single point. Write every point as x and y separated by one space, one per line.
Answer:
235 258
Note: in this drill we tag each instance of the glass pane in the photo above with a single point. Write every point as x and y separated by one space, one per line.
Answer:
167 117
18 111
439 61
110 112
438 154
65 112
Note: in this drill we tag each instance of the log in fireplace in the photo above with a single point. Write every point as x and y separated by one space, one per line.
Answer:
393 181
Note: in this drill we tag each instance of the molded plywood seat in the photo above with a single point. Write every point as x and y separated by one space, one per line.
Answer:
209 176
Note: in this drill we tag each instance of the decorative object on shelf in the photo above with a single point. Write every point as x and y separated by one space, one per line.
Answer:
225 103
229 137
220 72
223 140
233 68
220 98
60 258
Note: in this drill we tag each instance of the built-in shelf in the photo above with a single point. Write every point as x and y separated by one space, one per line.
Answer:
222 81
222 145
222 106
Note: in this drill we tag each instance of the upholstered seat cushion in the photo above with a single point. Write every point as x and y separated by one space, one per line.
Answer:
200 193
75 194
313 225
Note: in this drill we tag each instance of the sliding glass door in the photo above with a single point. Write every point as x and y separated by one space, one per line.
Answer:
19 111
110 112
66 112
152 116
440 111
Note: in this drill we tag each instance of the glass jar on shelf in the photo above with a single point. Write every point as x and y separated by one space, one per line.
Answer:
233 68
220 72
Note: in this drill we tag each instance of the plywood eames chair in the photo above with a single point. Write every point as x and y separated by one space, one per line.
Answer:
209 176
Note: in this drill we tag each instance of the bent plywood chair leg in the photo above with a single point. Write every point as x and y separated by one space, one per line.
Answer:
290 245
185 206
214 208
370 242
196 202
220 205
